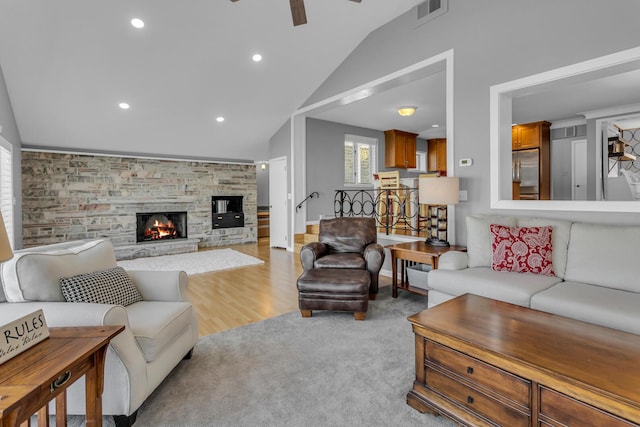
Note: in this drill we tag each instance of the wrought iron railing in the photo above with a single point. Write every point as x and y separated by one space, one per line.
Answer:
396 210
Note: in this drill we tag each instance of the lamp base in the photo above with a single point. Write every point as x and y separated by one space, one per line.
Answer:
437 242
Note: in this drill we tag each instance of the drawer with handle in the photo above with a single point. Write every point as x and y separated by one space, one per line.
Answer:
474 400
510 386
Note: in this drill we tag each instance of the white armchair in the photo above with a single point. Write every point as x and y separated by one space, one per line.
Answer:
159 332
633 180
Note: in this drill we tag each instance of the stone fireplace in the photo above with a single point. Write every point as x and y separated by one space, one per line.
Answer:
161 226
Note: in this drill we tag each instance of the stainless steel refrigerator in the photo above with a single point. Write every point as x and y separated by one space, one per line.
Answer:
526 164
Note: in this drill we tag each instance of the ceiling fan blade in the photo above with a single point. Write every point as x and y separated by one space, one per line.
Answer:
297 12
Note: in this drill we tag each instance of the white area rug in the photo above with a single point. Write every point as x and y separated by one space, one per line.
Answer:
193 262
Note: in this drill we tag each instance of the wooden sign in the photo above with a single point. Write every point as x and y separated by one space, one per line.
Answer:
21 334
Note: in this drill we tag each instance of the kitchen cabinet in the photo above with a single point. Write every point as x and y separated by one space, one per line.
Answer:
530 135
437 155
399 149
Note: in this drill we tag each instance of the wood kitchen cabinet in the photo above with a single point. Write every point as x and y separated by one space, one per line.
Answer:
437 155
530 135
399 149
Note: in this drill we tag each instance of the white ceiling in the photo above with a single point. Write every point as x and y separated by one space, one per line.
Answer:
68 63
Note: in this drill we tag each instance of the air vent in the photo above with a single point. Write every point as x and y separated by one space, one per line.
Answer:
431 9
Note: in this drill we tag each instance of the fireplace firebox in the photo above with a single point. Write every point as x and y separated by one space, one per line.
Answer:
158 226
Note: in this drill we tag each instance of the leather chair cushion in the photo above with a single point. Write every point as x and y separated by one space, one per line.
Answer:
343 260
335 281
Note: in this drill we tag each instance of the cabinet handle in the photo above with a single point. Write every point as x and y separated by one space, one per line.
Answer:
60 381
469 399
469 370
219 217
237 217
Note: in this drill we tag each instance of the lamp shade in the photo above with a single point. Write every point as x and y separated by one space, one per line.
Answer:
439 190
5 247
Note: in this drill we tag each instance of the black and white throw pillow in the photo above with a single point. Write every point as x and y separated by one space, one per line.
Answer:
112 286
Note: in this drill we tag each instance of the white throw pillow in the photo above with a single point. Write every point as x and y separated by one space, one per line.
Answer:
479 237
34 276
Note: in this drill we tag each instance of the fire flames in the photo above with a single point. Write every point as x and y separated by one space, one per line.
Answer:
160 230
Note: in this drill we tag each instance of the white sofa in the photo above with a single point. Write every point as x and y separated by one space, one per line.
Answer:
160 330
596 270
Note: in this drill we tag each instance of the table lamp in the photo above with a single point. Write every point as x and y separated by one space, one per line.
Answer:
438 192
5 247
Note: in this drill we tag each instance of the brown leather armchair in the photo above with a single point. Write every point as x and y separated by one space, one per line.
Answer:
346 242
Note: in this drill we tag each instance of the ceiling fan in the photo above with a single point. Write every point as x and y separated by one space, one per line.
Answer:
298 13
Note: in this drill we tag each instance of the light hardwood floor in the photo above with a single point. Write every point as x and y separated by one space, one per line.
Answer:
231 298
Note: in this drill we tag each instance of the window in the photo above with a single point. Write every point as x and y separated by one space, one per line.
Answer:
421 162
6 187
359 160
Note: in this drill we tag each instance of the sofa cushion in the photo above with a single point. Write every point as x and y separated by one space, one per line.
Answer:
522 249
34 274
604 255
112 286
594 304
157 324
559 239
516 288
479 237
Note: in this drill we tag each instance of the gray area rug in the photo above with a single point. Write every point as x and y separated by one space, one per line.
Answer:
327 370
193 262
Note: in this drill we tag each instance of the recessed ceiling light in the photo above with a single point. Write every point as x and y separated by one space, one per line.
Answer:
137 22
435 126
124 105
220 119
257 57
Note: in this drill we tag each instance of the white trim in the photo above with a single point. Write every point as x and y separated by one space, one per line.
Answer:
500 130
134 156
373 87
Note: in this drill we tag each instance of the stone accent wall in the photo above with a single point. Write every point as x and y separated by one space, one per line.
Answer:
70 196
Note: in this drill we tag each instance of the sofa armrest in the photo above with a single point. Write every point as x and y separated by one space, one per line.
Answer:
453 260
311 252
161 285
374 256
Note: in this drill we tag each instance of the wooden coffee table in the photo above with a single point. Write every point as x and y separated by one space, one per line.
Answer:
483 362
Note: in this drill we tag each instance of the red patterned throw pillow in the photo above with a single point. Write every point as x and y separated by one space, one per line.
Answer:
522 249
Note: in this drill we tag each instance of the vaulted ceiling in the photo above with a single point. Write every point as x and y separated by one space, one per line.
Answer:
69 63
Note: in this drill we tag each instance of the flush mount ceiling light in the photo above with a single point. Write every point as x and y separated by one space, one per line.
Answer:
257 57
407 110
220 119
124 106
137 23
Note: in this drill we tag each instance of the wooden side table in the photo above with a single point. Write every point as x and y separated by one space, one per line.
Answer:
44 372
415 252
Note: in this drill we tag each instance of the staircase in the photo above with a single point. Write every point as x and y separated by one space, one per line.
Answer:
311 235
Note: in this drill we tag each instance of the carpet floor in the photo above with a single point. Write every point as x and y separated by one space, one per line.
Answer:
327 370
193 262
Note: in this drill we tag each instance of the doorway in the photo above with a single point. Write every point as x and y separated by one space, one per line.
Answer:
579 170
278 202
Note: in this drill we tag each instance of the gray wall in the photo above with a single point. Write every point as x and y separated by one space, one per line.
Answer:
494 41
10 133
325 162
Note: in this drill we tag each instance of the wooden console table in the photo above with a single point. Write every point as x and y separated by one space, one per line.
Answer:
485 363
44 372
419 252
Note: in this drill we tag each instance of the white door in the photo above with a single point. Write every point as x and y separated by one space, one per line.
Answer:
278 202
579 170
